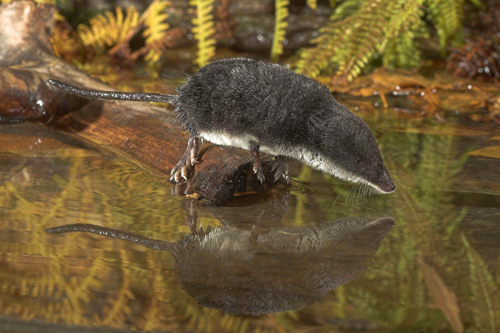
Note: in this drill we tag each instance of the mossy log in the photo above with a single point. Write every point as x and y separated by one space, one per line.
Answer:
150 135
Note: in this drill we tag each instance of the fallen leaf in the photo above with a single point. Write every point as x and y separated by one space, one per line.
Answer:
444 298
194 196
489 151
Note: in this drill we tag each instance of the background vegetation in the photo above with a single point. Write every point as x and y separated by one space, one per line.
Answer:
434 271
358 36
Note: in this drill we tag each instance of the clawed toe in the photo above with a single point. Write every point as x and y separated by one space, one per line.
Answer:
184 169
185 172
195 161
260 175
280 169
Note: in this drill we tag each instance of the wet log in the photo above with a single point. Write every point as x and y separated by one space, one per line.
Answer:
150 135
26 96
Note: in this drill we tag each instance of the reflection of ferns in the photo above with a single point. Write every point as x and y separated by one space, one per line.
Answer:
203 30
484 290
280 26
68 279
108 29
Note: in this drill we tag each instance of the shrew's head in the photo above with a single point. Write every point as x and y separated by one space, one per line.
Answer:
348 150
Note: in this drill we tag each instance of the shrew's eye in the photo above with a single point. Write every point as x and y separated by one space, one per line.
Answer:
358 159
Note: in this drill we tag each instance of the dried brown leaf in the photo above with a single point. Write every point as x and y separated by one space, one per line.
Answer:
489 151
443 297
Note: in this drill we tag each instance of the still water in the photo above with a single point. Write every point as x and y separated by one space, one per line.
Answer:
314 255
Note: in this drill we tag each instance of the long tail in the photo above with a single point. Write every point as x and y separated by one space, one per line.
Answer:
112 233
114 95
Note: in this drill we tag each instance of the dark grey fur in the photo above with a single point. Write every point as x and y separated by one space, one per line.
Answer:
280 109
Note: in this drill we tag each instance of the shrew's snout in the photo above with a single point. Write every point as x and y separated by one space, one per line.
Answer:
386 183
389 187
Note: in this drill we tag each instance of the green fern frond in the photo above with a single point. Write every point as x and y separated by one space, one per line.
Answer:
333 3
108 29
401 49
447 17
367 37
280 26
155 28
360 29
401 52
52 2
478 4
312 61
345 9
313 4
203 30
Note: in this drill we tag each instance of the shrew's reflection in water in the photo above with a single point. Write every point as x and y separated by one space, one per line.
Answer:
263 270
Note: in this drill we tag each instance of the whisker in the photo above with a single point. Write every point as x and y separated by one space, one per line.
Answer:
404 155
338 195
363 193
367 193
370 191
348 193
358 187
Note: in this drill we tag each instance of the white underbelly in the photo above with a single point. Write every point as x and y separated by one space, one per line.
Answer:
238 141
313 159
224 139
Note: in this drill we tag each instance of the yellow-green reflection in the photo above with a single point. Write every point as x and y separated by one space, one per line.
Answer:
431 272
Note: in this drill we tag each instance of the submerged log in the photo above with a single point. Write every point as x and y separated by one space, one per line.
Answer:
148 134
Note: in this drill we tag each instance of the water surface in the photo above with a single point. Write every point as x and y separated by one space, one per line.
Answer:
316 254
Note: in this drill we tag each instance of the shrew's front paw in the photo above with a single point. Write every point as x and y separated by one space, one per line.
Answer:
183 170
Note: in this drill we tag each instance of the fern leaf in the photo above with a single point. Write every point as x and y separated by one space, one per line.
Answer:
360 29
280 26
156 28
486 302
313 4
52 2
400 48
314 60
203 30
372 26
108 29
447 17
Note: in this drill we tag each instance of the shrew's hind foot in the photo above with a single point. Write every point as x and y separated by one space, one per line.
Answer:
257 165
184 169
280 168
